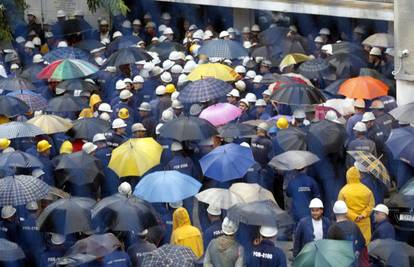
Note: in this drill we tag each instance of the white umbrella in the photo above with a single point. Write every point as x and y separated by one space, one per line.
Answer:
220 198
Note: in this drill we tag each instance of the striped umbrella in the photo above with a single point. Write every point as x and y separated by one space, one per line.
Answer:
18 129
33 100
204 90
22 189
51 124
65 53
223 49
67 69
20 159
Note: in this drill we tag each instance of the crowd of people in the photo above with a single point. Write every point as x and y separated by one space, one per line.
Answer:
337 197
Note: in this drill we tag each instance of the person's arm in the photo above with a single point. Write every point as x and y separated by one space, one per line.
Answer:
297 242
282 259
207 259
240 262
315 189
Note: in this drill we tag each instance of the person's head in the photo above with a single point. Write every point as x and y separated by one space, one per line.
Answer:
299 116
213 213
316 208
57 239
266 95
8 213
136 26
144 110
353 175
138 82
380 213
233 96
375 55
260 106
268 232
99 140
78 14
177 107
282 123
103 26
119 126
66 147
138 130
125 96
4 143
125 189
359 106
360 129
319 42
229 227
262 129
340 209
43 147
265 66
31 17
89 148
377 106
369 119
244 105
61 16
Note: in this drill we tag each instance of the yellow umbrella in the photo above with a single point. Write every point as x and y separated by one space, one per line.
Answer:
214 70
292 59
51 124
135 157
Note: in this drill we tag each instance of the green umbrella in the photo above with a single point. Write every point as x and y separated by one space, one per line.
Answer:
326 253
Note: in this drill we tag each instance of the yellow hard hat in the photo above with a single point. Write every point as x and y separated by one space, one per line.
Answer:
170 88
94 100
4 119
43 145
66 147
4 143
282 123
123 113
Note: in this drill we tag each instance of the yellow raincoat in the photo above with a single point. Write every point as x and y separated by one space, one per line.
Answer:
184 234
359 200
88 112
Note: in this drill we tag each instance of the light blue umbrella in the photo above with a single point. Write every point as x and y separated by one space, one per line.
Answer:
227 162
166 186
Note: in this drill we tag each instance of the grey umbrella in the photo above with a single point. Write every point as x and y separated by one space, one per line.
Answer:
10 251
17 129
404 113
19 159
392 252
293 160
169 256
96 245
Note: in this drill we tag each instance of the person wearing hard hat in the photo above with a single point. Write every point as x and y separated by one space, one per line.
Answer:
214 228
244 106
140 248
262 146
33 23
359 107
299 118
138 130
9 226
383 229
225 250
359 200
56 248
265 253
43 153
66 147
180 162
137 28
375 58
361 142
383 119
311 228
125 102
146 118
233 97
375 133
261 113
4 143
117 136
92 111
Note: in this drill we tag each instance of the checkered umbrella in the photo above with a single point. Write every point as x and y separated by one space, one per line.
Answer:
33 100
223 49
10 251
65 53
171 256
204 90
17 129
372 164
316 68
21 189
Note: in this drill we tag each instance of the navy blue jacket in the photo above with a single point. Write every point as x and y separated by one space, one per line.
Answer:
181 163
383 230
117 259
304 233
213 231
138 250
266 254
110 181
262 149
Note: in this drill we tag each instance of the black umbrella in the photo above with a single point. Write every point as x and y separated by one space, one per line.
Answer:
296 45
316 69
16 83
67 216
291 138
30 73
86 128
265 212
124 214
96 245
126 56
404 198
333 88
293 160
20 159
11 106
10 251
273 35
346 65
234 130
327 136
187 129
165 48
65 103
392 252
78 84
89 45
122 42
348 48
298 94
79 168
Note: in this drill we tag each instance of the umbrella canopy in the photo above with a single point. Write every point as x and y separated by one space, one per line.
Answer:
79 168
298 94
166 186
293 160
391 252
15 83
273 35
60 53
235 130
67 216
343 107
364 87
126 56
66 69
220 113
96 245
65 103
19 159
404 113
333 88
291 138
21 189
51 124
124 214
34 101
348 47
264 212
135 157
78 84
122 42
383 40
327 253
326 136
227 162
316 69
169 256
17 129
251 192
292 59
188 129
30 73
346 65
204 90
164 49
89 44
12 106
213 70
219 197
223 49
401 144
86 128
10 251
373 165
404 198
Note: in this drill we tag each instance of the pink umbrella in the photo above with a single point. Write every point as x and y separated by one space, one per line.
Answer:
221 113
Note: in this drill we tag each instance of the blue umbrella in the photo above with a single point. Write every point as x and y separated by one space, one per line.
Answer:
10 251
11 106
126 56
122 42
19 159
401 144
166 186
11 84
89 45
33 100
204 90
17 129
227 162
66 53
223 49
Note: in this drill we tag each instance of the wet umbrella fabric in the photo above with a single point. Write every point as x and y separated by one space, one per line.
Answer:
16 129
86 128
16 83
291 139
333 88
383 40
30 73
298 94
293 160
219 197
34 101
326 136
65 103
404 198
170 256
77 84
67 216
89 44
316 69
166 186
346 65
220 113
204 90
10 251
66 69
126 56
19 159
235 130
122 42
188 129
251 192
404 113
214 70
51 124
96 245
364 87
223 49
65 53
401 143
392 252
11 106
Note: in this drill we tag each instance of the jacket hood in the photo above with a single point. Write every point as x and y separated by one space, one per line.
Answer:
180 218
353 176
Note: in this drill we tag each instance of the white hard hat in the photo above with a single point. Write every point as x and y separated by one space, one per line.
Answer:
255 28
105 116
267 92
125 94
124 189
110 69
318 39
20 39
136 22
183 78
60 13
331 115
375 51
244 101
189 66
78 12
167 64
327 49
98 137
245 144
240 69
263 126
246 29
7 211
120 85
166 77
381 208
340 207
176 69
224 34
198 34
176 104
174 55
325 31
268 231
250 74
260 103
193 27
57 239
251 97
36 41
14 66
368 116
390 51
207 35
167 115
299 114
189 58
103 22
127 80
176 146
247 44
168 30
229 227
29 44
62 44
213 210
117 34
145 106
240 85
105 107
32 205
158 127
161 28
138 127
257 79
160 90
59 91
174 96
360 127
315 203
126 24
234 93
176 205
166 16
89 147
360 167
138 79
118 123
